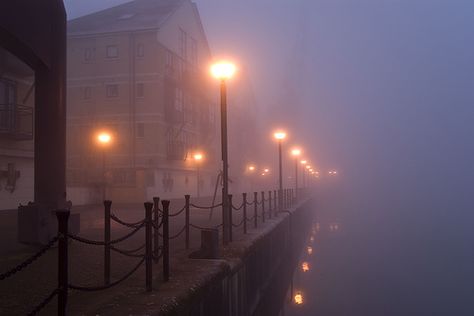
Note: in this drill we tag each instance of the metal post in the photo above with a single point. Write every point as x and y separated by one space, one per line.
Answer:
244 201
255 218
107 207
269 204
62 216
225 170
156 230
186 206
230 217
198 179
280 187
263 206
148 246
166 241
103 175
275 202
296 179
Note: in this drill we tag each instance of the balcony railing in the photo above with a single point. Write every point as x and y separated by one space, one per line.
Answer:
16 121
176 150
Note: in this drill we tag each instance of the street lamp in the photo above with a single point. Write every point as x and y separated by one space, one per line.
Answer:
198 158
224 71
304 162
280 136
296 152
104 139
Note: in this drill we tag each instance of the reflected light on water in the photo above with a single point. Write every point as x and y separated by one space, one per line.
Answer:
298 298
305 266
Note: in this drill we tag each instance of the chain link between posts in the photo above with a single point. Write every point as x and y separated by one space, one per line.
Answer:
29 261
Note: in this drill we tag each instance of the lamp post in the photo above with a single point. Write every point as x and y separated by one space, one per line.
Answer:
250 172
296 152
280 136
304 162
103 139
224 71
198 158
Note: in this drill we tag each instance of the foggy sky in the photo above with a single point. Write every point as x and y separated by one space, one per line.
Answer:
381 90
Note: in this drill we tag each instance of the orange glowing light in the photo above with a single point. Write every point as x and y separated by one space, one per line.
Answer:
266 170
308 167
104 138
251 168
296 152
304 162
198 156
279 135
309 250
298 298
223 70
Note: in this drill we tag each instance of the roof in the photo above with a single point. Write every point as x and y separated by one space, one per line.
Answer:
131 16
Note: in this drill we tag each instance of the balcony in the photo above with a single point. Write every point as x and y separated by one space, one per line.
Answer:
16 121
176 150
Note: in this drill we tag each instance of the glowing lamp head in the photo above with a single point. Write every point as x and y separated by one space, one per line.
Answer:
309 250
251 168
308 167
279 135
104 138
298 298
296 152
223 70
304 162
198 156
266 170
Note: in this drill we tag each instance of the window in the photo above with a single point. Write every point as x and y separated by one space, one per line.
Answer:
168 59
112 51
89 54
193 54
140 90
7 92
183 43
111 90
150 179
178 104
87 93
140 130
140 50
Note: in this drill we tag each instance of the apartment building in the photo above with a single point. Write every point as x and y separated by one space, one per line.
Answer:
16 131
139 72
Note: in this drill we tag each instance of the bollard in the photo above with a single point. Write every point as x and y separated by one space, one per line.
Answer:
275 202
148 246
255 218
186 198
230 216
263 206
156 230
166 241
62 216
270 204
107 207
244 202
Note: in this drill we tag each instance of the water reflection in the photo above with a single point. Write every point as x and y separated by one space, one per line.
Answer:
298 298
301 298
